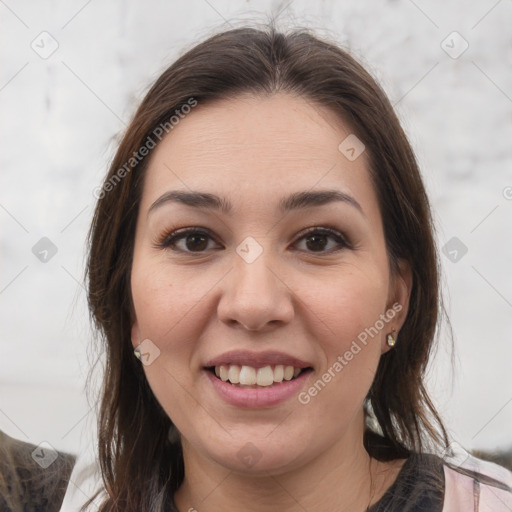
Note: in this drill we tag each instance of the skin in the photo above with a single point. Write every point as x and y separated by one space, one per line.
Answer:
297 298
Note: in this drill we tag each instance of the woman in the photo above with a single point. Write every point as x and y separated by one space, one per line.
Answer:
264 273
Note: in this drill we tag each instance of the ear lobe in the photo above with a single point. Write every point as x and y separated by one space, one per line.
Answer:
135 336
401 292
398 301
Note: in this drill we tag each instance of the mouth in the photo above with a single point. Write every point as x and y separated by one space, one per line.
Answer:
244 376
249 379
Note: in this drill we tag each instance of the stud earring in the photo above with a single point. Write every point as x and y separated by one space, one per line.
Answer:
391 341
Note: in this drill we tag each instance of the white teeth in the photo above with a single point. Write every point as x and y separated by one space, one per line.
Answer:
288 372
234 374
249 376
265 376
223 373
279 373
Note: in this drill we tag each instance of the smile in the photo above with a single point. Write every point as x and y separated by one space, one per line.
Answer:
251 379
248 376
253 396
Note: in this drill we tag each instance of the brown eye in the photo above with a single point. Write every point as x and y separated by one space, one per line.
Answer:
317 242
194 240
317 239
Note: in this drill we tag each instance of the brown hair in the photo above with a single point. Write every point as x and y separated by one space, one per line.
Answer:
141 468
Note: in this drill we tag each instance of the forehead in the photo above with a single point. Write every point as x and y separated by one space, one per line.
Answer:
259 147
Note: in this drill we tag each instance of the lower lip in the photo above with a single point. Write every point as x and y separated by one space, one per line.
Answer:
252 398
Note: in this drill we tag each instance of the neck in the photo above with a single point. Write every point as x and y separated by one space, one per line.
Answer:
342 478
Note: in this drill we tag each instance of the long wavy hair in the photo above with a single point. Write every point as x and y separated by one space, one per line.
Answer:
141 466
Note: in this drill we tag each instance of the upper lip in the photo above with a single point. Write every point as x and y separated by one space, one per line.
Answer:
256 359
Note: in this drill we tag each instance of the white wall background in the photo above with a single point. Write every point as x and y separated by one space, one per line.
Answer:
60 115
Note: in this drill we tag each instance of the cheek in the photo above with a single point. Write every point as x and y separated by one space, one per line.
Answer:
161 312
171 308
165 308
352 310
352 304
162 301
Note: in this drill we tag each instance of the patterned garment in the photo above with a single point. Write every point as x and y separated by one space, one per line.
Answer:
32 478
419 487
426 484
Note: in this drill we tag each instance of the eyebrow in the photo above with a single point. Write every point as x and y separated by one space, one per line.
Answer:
295 201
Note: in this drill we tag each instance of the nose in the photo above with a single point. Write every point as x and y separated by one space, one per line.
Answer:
255 295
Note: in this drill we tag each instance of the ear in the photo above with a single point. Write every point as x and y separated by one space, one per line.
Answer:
398 301
135 334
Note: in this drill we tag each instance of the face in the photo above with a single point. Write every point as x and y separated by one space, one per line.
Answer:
256 287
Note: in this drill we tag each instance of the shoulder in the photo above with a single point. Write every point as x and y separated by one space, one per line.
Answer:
476 485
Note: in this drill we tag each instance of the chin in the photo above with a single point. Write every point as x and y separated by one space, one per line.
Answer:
259 456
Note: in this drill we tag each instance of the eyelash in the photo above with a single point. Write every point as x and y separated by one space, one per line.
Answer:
168 240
